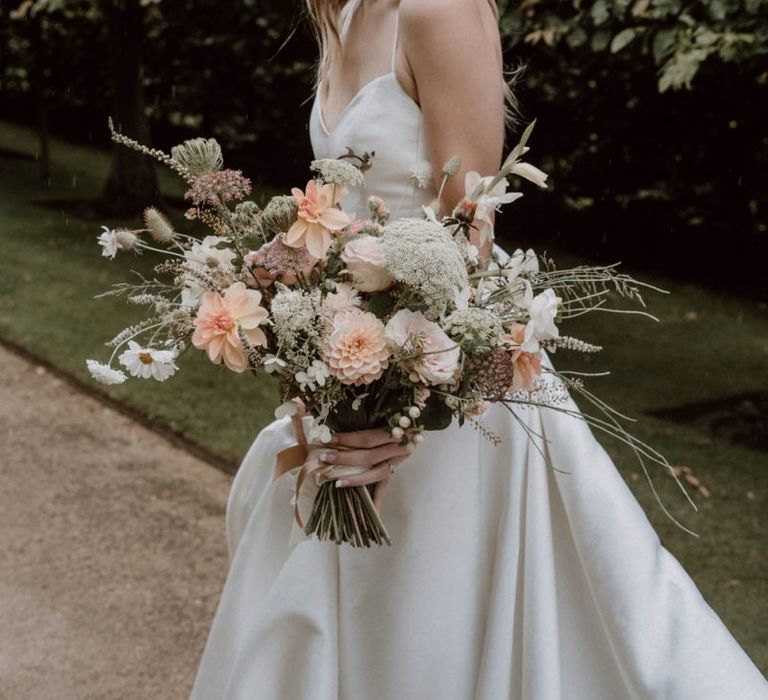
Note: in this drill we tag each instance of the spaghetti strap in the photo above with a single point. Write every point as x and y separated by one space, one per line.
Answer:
394 42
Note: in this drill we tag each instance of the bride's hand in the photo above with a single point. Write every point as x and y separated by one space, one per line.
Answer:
375 449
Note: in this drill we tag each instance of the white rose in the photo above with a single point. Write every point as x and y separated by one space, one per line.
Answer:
364 258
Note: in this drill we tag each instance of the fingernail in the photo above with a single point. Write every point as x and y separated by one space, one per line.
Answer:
341 483
328 457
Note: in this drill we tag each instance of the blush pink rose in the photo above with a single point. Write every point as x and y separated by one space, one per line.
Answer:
438 359
364 258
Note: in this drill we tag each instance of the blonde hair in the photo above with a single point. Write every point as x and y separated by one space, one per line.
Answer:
326 16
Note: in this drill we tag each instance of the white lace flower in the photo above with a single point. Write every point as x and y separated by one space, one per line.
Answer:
295 313
422 255
104 374
148 363
340 172
421 173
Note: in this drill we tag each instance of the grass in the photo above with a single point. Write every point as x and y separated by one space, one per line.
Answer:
706 347
49 273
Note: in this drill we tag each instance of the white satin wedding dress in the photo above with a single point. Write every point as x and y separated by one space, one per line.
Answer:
506 579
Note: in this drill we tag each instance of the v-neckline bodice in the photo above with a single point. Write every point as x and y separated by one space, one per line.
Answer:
382 120
390 75
355 98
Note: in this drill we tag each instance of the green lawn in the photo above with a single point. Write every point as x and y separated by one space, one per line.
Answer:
706 347
50 270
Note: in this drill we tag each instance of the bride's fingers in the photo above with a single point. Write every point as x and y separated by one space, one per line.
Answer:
369 476
363 439
369 457
378 494
379 472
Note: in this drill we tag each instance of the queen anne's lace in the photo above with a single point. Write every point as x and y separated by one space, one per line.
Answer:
421 254
474 328
295 313
338 172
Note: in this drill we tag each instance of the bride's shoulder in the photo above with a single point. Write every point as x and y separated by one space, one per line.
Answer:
439 12
445 20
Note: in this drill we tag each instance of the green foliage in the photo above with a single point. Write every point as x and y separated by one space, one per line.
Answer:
436 415
683 168
677 37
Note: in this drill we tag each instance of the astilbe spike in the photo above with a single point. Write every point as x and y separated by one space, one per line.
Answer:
155 153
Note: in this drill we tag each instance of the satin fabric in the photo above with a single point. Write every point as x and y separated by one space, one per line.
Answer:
508 578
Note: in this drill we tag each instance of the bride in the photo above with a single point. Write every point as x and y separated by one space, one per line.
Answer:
506 578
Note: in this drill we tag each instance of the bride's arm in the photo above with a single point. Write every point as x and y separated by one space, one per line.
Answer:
452 49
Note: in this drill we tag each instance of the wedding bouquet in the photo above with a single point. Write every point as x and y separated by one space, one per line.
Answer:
382 322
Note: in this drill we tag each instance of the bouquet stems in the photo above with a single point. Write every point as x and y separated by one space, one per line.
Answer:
347 515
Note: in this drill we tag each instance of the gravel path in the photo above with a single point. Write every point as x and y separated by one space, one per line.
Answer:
112 548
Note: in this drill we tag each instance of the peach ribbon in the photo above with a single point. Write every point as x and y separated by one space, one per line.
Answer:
306 456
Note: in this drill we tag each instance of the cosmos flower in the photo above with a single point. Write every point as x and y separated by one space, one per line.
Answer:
148 362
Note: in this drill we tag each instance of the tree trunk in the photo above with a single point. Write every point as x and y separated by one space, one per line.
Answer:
40 88
132 182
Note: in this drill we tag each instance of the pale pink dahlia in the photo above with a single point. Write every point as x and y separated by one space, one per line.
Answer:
356 351
221 319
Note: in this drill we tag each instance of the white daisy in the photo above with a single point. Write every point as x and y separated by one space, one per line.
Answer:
148 362
109 243
104 374
207 255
